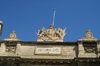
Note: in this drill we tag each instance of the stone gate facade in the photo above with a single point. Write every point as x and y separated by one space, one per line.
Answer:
49 50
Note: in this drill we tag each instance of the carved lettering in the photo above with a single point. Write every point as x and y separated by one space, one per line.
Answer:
48 50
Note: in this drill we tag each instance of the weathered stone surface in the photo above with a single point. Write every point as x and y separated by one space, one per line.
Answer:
27 50
51 34
88 37
98 49
69 52
87 51
18 49
50 50
2 48
12 37
10 49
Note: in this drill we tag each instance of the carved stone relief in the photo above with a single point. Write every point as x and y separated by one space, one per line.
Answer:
89 49
10 49
51 34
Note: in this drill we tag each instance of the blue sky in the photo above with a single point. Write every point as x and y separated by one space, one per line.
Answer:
27 16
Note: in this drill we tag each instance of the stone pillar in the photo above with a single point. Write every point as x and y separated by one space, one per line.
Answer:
98 49
18 49
80 49
3 47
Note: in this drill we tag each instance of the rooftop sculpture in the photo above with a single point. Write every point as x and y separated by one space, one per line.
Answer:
12 37
51 34
88 37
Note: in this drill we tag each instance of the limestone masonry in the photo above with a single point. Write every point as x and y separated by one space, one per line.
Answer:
51 34
49 50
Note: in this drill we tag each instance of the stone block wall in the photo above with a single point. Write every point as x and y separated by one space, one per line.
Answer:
65 54
66 50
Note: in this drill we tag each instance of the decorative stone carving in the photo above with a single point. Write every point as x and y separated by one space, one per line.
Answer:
12 37
90 49
10 49
51 34
88 37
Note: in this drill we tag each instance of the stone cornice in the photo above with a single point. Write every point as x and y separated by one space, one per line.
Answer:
10 58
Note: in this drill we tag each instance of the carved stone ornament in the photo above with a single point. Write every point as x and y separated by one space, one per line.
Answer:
90 49
88 36
51 34
12 37
10 49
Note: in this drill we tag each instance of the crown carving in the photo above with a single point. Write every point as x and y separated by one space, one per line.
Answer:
51 34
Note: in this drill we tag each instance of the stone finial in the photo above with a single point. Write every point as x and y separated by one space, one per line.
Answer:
51 34
88 34
12 37
88 37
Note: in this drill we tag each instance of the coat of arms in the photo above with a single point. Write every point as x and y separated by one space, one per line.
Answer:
51 34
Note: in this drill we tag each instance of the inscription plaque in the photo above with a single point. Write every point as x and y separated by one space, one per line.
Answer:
48 50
